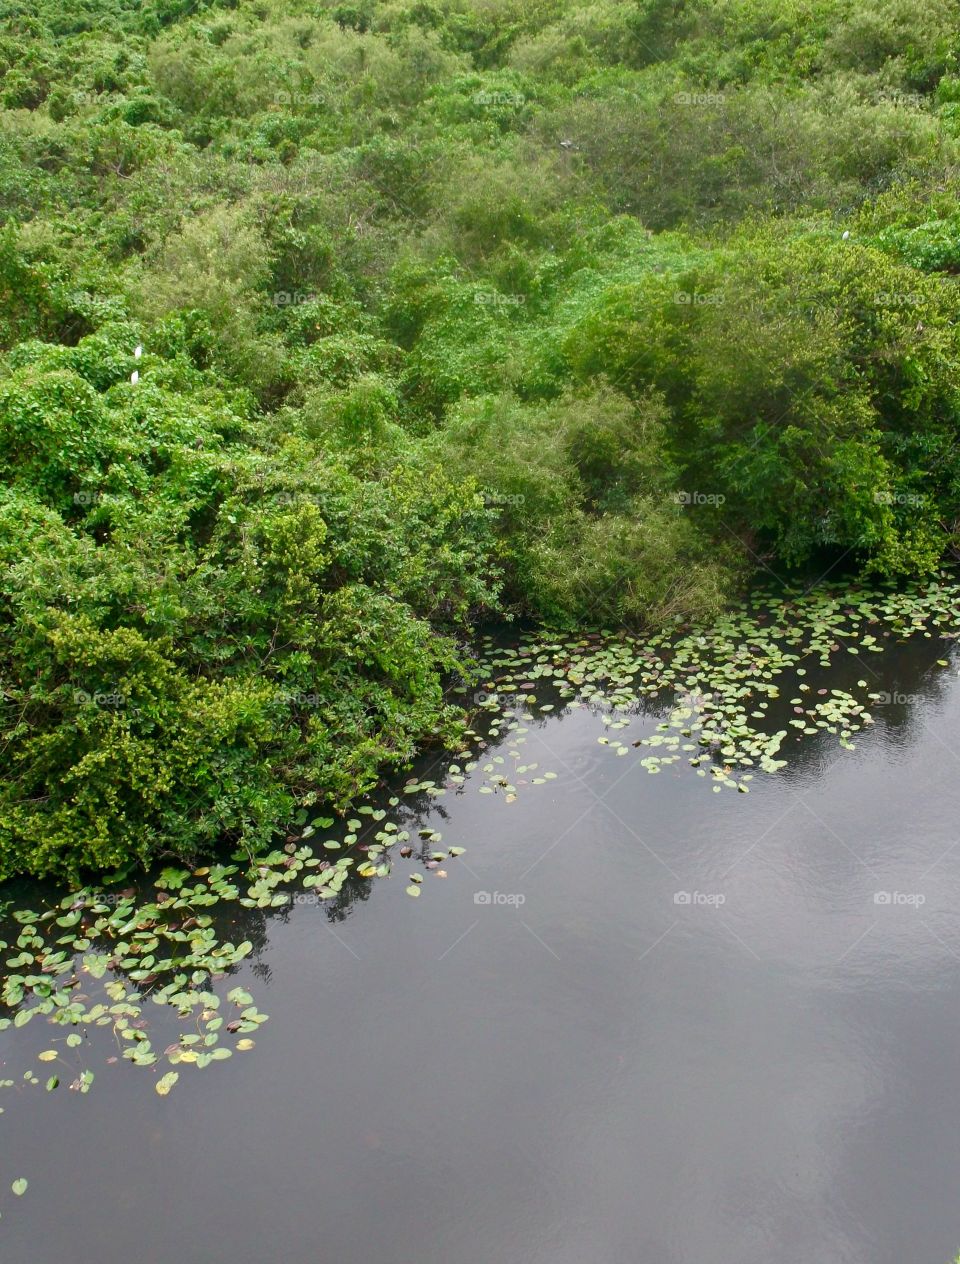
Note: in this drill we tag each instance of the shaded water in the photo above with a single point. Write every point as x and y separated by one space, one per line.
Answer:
603 1072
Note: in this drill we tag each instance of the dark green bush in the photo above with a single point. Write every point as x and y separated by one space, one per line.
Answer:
571 311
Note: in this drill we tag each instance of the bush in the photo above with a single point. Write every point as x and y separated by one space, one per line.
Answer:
202 632
812 382
447 310
590 528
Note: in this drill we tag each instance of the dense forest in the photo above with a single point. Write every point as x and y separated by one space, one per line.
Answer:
328 330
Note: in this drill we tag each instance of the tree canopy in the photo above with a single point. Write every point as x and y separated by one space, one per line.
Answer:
448 310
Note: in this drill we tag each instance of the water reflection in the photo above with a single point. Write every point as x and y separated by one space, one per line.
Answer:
602 1072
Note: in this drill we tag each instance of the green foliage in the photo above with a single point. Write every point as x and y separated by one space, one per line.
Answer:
812 382
206 624
571 311
582 490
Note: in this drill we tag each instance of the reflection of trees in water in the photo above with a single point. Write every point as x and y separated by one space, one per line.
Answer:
354 891
906 670
262 971
413 811
233 922
916 684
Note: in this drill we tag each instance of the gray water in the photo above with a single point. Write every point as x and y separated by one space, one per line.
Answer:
601 1074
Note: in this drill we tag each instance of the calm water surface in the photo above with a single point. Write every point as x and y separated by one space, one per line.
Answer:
605 1073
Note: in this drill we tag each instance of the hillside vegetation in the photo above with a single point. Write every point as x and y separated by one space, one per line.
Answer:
447 311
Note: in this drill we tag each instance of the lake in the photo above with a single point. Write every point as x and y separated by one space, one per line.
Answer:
637 1023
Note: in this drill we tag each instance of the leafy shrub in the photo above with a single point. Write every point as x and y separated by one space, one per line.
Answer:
187 653
566 311
582 490
811 379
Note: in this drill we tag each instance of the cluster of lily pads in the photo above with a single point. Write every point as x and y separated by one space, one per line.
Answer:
164 950
718 692
719 689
